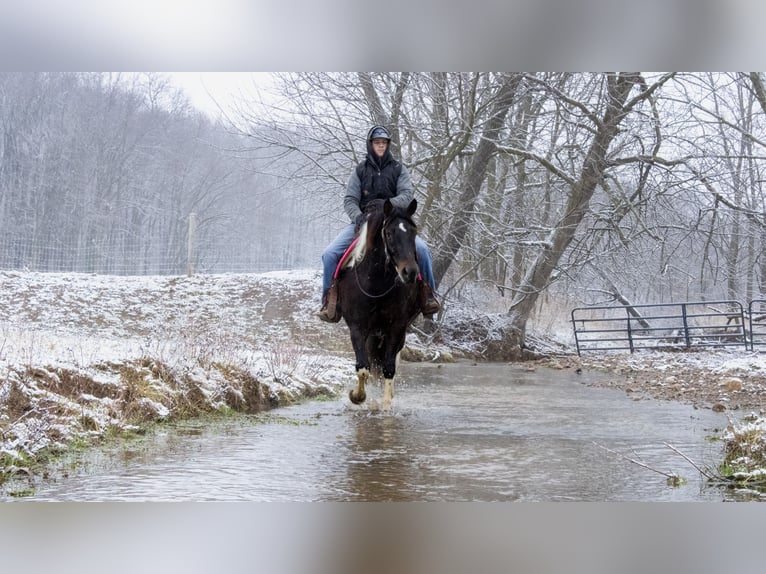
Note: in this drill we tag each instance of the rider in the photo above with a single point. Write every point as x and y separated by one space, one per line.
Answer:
379 176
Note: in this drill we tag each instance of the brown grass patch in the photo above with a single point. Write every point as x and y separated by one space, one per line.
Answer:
252 398
17 403
73 385
137 388
191 401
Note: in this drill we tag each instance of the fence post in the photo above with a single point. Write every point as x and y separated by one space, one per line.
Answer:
630 331
574 327
190 244
686 325
750 311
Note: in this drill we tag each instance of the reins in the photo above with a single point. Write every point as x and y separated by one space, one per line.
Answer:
370 295
388 258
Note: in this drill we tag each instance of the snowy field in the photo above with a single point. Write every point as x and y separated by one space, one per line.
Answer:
82 355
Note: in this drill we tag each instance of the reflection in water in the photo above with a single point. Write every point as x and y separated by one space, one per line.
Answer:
457 432
379 466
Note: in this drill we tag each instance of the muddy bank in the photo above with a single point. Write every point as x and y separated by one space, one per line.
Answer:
718 380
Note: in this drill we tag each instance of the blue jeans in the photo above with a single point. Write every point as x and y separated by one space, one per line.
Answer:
333 252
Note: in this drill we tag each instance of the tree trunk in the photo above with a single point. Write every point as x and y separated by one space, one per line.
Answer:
474 178
594 165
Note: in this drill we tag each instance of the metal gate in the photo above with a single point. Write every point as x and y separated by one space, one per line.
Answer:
757 314
668 326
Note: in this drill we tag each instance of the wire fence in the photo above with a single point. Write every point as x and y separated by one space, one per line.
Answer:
26 255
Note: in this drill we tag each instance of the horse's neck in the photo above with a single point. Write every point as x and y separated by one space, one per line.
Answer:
370 251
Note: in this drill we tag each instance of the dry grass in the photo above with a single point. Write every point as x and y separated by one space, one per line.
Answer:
745 453
243 343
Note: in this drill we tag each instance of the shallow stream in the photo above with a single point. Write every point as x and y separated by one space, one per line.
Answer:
457 432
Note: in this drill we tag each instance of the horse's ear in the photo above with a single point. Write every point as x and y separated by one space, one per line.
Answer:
412 207
387 207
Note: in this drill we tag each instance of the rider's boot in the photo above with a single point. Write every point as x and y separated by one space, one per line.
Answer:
428 303
330 310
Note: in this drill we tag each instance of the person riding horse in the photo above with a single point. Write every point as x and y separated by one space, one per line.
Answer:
381 294
379 176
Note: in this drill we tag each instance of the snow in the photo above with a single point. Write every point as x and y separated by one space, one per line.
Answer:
73 347
720 361
91 328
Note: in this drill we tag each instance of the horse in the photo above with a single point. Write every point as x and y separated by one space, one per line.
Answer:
378 292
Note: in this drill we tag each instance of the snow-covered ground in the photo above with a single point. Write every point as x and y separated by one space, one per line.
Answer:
81 355
722 379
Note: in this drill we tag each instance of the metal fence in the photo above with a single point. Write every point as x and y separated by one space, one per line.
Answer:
756 312
668 326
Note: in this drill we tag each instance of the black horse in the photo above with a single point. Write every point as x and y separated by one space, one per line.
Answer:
379 293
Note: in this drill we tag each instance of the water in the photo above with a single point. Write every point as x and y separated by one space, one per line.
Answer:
461 432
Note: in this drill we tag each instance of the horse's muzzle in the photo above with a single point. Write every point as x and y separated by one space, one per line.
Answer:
408 273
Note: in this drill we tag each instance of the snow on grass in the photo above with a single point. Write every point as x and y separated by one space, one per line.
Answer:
81 354
724 361
745 451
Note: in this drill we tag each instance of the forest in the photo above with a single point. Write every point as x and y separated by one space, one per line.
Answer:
103 173
534 189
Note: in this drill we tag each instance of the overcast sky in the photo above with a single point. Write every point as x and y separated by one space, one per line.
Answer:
208 90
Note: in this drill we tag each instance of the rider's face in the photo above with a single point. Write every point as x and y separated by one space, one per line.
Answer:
379 146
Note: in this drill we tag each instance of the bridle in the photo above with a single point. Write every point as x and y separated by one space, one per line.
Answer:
389 261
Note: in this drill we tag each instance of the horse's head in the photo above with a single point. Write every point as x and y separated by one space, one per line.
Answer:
399 231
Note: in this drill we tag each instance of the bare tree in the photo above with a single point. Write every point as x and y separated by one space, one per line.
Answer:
528 181
101 171
476 174
615 104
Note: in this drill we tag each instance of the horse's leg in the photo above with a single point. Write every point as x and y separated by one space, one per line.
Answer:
358 395
389 372
388 393
358 340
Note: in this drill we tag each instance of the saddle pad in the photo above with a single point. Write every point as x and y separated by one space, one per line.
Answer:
342 261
